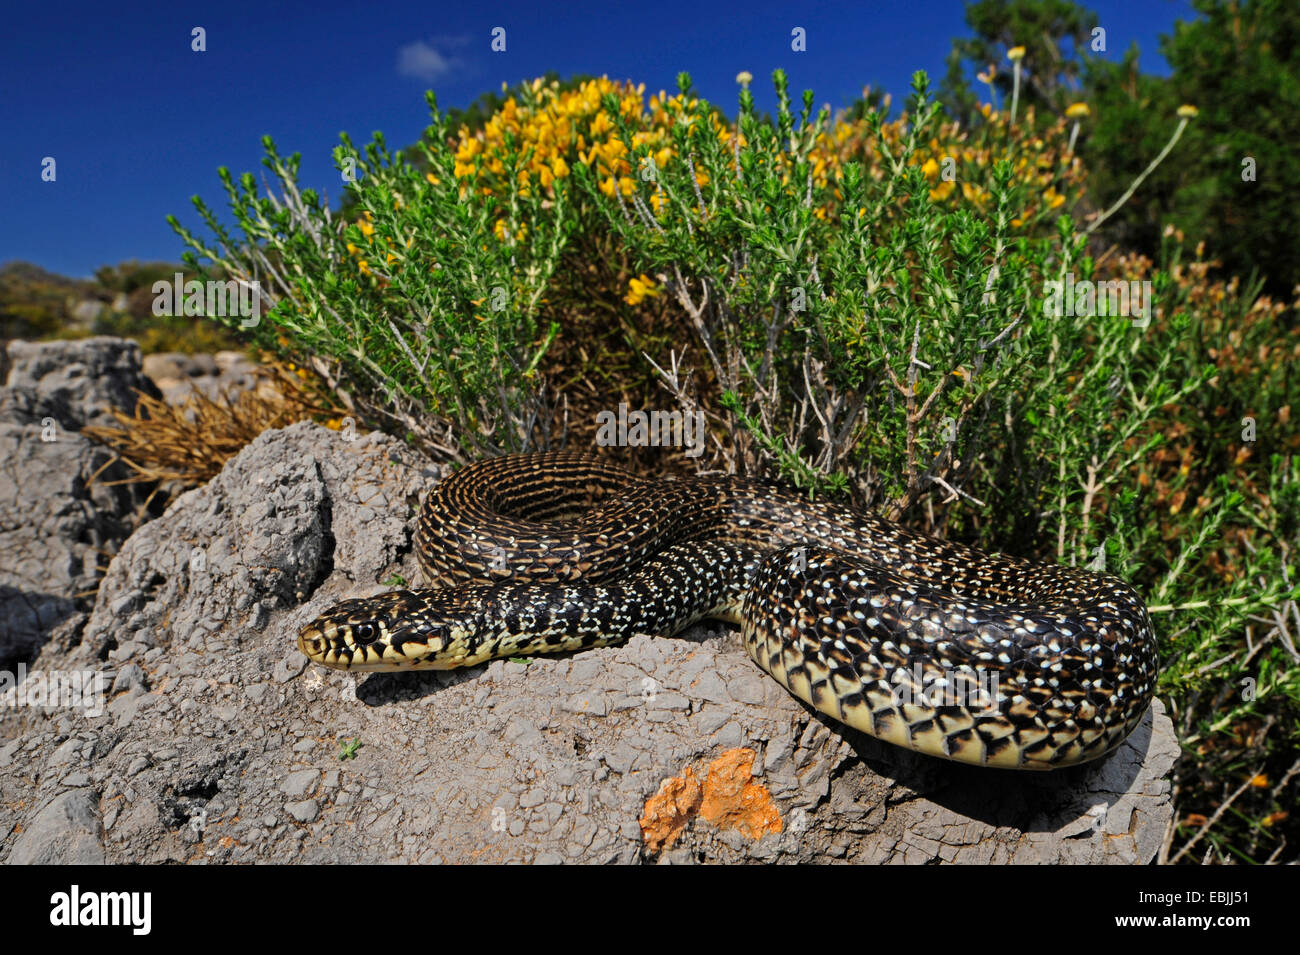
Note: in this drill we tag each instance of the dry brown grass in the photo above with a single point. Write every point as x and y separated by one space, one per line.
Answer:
188 444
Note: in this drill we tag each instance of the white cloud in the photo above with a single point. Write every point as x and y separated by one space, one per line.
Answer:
424 61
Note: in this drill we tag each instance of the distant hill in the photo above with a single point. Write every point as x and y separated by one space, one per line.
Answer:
38 304
26 272
35 303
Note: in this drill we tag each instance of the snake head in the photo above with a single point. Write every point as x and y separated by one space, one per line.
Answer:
401 630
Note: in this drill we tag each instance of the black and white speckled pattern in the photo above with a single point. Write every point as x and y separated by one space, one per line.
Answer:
942 648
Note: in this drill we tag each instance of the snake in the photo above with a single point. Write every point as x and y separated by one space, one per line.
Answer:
925 643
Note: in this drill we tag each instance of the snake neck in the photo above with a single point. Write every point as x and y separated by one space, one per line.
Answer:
449 628
677 588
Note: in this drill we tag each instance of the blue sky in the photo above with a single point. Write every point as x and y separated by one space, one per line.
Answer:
137 122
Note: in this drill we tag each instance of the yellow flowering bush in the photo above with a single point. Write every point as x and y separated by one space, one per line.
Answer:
958 163
536 139
555 128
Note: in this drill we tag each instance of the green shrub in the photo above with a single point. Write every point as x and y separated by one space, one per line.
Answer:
423 312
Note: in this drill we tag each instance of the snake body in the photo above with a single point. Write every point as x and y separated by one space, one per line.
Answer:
942 648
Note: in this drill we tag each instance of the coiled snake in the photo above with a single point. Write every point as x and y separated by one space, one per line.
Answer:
938 647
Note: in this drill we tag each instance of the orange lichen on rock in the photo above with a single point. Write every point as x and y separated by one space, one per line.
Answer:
668 811
733 800
729 798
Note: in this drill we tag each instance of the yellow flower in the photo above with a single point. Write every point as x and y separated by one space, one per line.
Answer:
613 151
641 288
625 185
930 168
1016 53
942 191
366 228
469 147
1077 110
744 77
364 266
1187 111
559 168
431 177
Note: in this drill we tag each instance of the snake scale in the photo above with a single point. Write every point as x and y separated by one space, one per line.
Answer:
932 645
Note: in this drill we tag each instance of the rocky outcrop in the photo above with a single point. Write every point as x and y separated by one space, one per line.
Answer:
178 376
217 742
58 530
74 382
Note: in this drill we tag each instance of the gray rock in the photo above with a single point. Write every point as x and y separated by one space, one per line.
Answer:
178 376
129 677
74 382
300 783
306 811
66 831
165 366
56 533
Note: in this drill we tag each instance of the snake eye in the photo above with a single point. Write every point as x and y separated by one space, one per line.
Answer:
364 633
